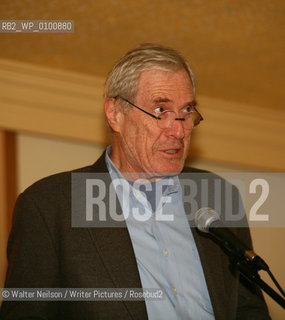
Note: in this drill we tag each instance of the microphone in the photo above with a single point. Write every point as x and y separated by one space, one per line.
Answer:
208 220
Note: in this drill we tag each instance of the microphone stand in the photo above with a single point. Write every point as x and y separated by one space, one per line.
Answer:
250 272
246 261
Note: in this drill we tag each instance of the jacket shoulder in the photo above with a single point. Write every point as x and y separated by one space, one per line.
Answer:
62 181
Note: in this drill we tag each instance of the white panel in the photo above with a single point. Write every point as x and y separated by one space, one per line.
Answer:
42 156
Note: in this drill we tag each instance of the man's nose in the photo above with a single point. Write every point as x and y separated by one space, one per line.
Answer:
176 129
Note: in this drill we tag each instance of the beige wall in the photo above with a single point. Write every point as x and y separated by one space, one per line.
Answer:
41 156
69 105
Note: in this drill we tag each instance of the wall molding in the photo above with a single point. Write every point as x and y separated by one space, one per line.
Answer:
66 104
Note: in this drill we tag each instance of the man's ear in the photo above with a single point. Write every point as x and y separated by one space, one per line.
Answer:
113 114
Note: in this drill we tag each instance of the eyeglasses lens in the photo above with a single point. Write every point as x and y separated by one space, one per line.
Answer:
167 118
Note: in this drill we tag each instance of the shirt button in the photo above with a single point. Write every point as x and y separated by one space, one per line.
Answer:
174 290
165 252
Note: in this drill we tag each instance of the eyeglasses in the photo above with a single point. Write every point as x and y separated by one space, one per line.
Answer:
190 117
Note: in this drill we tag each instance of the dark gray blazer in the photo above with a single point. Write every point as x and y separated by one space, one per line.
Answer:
45 252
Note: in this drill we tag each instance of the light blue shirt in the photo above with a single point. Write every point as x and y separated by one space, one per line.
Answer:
164 247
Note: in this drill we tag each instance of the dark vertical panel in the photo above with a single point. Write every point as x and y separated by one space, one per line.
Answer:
10 150
8 192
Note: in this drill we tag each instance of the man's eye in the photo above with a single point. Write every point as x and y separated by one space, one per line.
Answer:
159 110
188 109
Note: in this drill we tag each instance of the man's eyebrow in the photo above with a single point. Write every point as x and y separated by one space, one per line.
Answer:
161 100
192 103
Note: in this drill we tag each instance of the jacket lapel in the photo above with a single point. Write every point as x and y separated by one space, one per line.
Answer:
115 248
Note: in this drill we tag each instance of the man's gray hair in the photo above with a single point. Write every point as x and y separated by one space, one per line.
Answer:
124 77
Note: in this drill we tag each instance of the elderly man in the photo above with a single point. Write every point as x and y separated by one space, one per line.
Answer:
151 110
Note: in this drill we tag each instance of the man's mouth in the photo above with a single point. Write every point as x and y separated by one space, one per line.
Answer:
172 151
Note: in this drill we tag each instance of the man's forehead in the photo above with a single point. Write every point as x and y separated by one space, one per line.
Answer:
160 83
162 74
